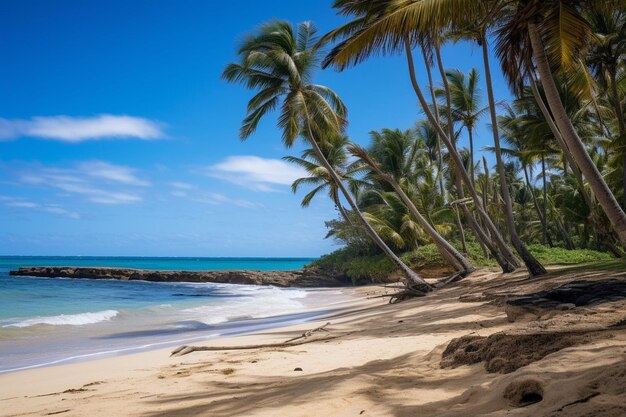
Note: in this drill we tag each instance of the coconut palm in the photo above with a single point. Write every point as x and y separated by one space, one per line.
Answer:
515 133
606 60
465 97
523 27
278 62
397 152
556 34
371 32
334 151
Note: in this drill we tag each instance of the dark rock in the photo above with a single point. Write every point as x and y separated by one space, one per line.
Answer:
309 277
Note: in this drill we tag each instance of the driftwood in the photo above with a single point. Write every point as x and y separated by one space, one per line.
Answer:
184 350
309 333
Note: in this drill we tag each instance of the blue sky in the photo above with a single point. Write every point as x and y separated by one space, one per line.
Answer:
117 136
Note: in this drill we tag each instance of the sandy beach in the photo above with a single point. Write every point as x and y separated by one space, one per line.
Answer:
375 359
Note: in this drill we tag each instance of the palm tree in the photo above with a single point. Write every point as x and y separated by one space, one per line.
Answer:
556 34
425 132
372 30
608 49
465 98
397 150
278 62
334 151
519 139
524 26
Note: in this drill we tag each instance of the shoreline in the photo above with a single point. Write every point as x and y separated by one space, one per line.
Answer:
122 362
162 337
374 359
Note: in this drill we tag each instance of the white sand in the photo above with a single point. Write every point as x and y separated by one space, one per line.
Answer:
383 361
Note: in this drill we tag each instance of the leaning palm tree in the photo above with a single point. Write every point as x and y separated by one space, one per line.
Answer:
476 28
448 251
552 36
278 62
318 176
392 159
376 29
608 49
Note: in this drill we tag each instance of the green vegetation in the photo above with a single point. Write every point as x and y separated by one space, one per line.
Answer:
414 197
367 268
554 256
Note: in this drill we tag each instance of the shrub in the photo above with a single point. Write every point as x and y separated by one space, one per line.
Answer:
547 255
358 266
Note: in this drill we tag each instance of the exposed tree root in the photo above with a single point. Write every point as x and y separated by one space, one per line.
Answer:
299 340
412 290
457 276
419 290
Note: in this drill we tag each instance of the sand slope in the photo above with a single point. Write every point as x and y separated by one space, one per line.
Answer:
384 360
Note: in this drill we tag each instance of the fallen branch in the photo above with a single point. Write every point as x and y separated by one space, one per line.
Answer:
310 332
184 350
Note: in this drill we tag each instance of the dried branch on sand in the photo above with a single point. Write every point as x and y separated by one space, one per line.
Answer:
299 340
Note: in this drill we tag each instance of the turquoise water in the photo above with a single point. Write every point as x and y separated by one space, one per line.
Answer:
54 320
174 264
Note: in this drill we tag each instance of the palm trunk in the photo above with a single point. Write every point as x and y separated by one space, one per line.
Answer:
621 125
568 241
448 251
471 143
507 255
532 264
491 232
432 95
542 219
559 138
545 198
341 209
487 180
603 193
412 277
460 226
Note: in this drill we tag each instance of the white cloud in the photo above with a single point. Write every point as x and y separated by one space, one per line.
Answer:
115 173
98 182
179 194
259 174
80 129
180 185
16 202
104 197
22 204
61 211
214 199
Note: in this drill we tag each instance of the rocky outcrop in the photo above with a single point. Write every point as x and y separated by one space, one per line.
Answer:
308 277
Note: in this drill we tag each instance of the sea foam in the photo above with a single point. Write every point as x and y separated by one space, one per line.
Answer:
67 319
249 303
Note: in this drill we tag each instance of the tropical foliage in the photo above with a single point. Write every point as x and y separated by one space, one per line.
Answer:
557 185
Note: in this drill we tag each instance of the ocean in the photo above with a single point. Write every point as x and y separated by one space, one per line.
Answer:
47 321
